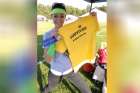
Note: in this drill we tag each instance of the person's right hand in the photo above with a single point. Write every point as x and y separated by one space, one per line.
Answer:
47 58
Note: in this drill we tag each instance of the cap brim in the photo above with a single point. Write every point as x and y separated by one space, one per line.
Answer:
58 11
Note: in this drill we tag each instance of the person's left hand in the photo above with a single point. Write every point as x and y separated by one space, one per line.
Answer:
93 13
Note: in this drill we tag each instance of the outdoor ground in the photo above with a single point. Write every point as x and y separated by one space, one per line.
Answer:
66 86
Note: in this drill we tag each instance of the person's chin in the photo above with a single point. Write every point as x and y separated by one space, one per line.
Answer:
59 26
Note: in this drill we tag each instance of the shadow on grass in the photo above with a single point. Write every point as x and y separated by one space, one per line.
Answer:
96 86
42 79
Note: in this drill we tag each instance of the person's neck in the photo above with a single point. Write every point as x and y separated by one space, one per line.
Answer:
56 28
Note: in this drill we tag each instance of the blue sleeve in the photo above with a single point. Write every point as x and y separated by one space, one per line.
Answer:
48 40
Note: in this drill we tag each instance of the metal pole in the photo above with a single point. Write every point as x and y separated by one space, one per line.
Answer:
90 8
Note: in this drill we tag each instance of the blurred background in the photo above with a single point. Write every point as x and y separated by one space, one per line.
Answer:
17 46
123 36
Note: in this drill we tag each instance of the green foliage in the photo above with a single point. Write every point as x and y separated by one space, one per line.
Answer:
103 8
45 10
75 11
88 8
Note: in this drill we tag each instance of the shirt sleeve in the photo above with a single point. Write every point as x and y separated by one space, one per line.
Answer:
48 40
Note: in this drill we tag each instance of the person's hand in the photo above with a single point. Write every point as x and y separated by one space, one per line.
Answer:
47 58
58 37
93 13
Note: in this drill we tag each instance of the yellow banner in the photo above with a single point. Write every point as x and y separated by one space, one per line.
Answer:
80 39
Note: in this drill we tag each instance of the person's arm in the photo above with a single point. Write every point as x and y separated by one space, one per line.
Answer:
46 46
46 56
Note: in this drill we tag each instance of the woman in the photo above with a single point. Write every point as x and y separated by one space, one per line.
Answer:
60 65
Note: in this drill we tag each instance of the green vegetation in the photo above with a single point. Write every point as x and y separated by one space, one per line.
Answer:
45 10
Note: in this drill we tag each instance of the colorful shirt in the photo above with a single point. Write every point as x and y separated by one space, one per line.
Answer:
60 64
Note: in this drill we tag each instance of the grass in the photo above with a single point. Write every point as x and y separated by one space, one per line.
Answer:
42 27
65 86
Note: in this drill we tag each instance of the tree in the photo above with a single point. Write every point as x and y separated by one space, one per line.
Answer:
103 8
88 8
45 10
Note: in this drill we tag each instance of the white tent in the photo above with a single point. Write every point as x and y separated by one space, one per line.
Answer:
70 18
41 18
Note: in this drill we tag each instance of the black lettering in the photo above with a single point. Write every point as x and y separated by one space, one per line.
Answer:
79 37
77 32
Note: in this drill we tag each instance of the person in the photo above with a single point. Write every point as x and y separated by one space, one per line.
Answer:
60 65
101 67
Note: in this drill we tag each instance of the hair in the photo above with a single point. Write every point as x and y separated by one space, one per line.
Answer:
58 5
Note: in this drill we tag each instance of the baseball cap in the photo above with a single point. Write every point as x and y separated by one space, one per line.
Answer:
58 8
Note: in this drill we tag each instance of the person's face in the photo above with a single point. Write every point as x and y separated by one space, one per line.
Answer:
58 20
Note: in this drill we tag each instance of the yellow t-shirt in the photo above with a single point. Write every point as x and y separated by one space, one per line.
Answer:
80 40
